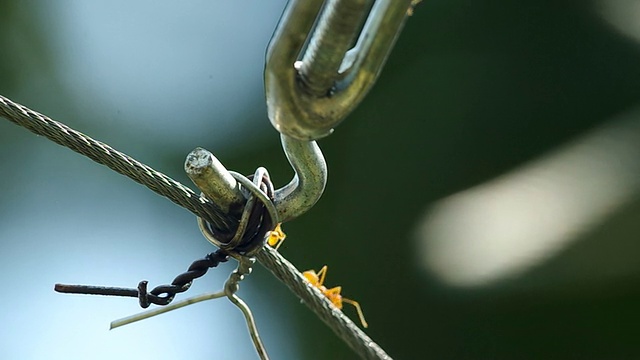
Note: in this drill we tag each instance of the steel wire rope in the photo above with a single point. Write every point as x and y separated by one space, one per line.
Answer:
116 161
180 194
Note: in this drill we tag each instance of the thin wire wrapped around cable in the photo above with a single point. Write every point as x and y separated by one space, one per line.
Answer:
183 196
259 199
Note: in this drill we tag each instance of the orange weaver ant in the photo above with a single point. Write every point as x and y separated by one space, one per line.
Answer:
333 294
276 237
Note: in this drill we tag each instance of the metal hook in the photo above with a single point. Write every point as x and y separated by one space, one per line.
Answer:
308 183
310 93
291 201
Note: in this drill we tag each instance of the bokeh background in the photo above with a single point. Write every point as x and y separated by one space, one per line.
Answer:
482 201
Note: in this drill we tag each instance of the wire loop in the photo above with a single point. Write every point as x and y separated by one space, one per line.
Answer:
259 216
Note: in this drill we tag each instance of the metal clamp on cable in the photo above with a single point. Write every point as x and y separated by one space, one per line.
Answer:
315 75
222 187
258 217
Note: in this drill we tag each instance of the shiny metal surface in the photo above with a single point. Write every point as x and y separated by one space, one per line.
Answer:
297 104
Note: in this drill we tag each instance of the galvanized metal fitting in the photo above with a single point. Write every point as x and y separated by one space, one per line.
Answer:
312 79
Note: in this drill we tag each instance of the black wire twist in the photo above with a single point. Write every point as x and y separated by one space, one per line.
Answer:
164 294
259 221
253 237
160 295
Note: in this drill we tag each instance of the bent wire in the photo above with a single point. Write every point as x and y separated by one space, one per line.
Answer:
230 288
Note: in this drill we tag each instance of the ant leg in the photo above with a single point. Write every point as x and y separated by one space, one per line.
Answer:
321 274
280 242
334 296
360 314
311 277
276 237
335 291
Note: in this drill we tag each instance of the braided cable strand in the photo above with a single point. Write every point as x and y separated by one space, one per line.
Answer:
200 206
116 161
346 329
